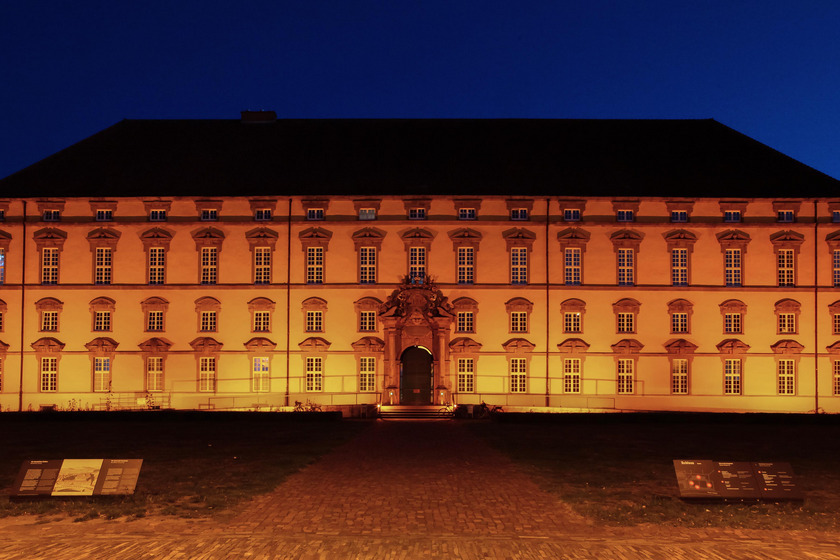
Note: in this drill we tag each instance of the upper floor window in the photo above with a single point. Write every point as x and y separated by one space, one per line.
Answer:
104 215
626 267
208 312
103 265
732 216
733 312
625 315
157 265
2 215
417 263
261 309
51 215
680 311
519 214
466 265
572 259
154 320
262 321
49 265
209 265
367 265
315 321
835 216
732 267
787 312
49 321
314 265
262 214
518 265
367 321
466 213
679 266
519 310
624 216
571 215
785 216
465 322
209 215
102 320
679 216
786 271
315 214
2 265
157 215
416 213
573 310
367 213
262 265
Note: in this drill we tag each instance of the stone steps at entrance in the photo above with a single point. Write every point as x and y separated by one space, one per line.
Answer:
414 411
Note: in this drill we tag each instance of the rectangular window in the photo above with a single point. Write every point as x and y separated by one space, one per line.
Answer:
367 213
154 373
519 214
157 215
314 321
571 322
732 267
262 265
314 374
101 320
571 215
208 321
209 265
49 265
624 216
625 376
732 216
787 377
679 323
262 321
785 260
367 374
626 322
836 368
49 321
260 376
465 322
679 376
517 375
518 265
1 321
417 263
571 375
101 374
466 375
2 266
262 214
416 213
679 216
732 376
51 215
104 215
315 214
518 321
207 374
367 321
785 216
679 267
367 265
572 266
1 375
466 262
154 321
209 215
732 323
466 213
626 267
157 265
102 270
787 323
314 265
835 323
835 217
49 375
835 267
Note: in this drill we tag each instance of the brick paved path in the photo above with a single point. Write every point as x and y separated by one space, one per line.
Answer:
401 490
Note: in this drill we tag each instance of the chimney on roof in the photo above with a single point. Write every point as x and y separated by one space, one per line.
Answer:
258 116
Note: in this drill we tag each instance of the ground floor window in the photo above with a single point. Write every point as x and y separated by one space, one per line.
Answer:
625 376
836 377
314 374
571 375
102 374
679 376
154 373
1 375
367 374
207 374
787 377
49 374
732 377
259 374
517 375
466 375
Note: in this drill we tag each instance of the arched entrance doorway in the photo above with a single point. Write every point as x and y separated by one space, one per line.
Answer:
416 373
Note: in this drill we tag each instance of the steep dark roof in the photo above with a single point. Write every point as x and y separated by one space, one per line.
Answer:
697 158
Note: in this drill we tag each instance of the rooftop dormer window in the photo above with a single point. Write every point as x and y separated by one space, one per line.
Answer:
315 214
51 215
262 214
732 216
679 216
367 213
571 215
785 216
209 215
104 215
519 214
157 215
624 216
466 213
416 213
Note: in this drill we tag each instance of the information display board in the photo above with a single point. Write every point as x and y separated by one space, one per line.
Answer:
77 477
704 479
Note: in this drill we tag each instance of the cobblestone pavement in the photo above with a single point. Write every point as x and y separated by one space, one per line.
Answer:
400 490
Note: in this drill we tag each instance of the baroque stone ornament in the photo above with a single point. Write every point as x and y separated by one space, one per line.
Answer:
416 298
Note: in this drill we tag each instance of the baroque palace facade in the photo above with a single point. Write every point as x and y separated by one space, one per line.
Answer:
579 265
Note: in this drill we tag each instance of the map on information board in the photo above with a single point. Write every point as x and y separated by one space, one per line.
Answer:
77 477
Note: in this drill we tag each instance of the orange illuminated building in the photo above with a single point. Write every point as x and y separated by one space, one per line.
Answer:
533 264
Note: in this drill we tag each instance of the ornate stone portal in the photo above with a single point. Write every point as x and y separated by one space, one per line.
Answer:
416 314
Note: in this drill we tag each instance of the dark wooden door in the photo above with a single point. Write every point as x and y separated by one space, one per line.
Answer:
416 382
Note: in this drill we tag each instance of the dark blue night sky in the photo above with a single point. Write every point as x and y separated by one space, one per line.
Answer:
768 69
